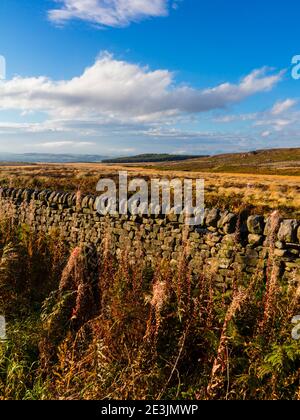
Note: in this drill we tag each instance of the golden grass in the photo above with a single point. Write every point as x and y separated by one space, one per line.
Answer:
231 190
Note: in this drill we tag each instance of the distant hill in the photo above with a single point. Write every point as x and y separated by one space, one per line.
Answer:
49 158
148 158
273 162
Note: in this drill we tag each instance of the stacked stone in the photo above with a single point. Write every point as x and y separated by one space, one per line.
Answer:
225 242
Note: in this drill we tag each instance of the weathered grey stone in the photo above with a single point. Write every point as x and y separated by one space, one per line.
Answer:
226 253
229 240
28 194
255 240
56 198
293 265
85 201
256 224
212 229
227 218
69 200
246 260
172 217
224 263
230 223
213 217
288 231
19 193
280 252
51 197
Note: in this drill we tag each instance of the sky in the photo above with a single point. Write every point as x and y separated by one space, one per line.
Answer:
122 77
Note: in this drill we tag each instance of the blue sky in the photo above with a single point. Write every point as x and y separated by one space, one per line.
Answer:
132 76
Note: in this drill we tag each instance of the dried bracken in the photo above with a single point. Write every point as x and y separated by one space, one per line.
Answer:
67 281
221 361
95 324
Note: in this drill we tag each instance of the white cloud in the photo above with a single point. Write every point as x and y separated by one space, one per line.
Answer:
118 90
283 106
279 118
50 126
175 4
114 13
61 144
274 120
266 133
174 133
115 103
277 123
233 118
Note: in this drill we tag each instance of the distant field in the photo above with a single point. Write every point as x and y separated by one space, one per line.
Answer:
19 164
261 193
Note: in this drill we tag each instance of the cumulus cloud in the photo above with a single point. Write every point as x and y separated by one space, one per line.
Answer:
113 13
114 89
115 101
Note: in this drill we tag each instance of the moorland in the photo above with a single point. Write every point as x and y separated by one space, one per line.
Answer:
135 330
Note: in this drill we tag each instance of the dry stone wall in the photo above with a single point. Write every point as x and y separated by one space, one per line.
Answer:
226 242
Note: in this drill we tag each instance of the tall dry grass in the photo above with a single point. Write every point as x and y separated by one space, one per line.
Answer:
128 329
